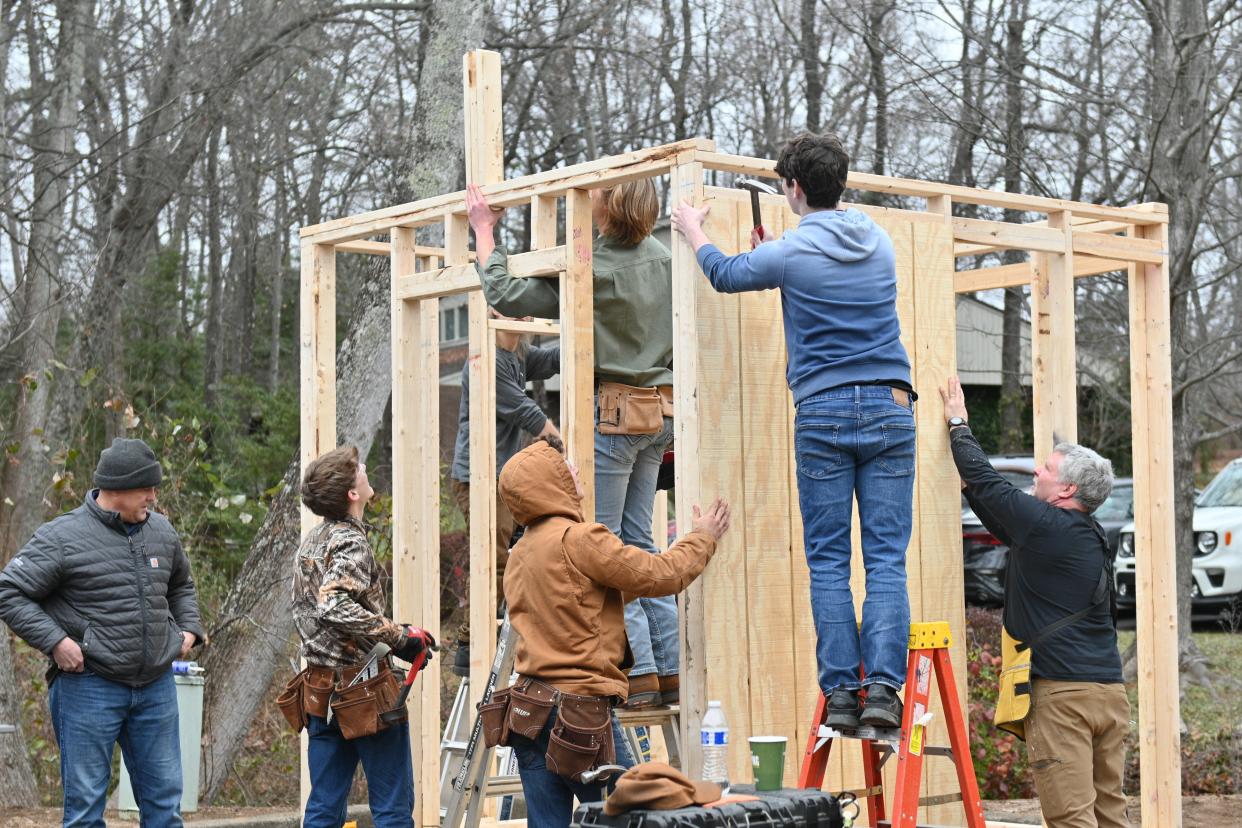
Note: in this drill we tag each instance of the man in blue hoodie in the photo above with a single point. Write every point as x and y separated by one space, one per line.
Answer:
854 428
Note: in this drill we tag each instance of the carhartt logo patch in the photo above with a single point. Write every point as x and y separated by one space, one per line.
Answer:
155 563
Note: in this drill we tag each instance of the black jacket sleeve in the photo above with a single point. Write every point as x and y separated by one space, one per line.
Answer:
512 404
33 574
542 363
182 599
1005 510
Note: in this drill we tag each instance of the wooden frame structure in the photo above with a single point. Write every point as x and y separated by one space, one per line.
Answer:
1073 241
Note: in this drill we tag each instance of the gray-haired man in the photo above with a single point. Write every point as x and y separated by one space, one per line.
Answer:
105 592
1058 618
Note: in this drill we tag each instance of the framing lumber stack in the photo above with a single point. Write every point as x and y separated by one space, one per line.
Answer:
747 636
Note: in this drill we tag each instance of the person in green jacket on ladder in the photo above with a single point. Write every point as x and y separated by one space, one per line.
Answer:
633 303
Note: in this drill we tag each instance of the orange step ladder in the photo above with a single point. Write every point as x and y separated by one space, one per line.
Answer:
929 651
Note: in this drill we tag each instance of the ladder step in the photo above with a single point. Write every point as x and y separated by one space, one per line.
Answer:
503 786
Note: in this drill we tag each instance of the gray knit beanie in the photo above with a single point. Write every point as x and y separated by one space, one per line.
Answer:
127 464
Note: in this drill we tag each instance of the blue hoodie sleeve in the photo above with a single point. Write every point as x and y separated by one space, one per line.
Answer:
760 269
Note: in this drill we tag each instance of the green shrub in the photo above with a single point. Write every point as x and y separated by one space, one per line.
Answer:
999 757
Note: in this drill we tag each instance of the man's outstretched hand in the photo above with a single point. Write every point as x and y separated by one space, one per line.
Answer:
715 521
954 399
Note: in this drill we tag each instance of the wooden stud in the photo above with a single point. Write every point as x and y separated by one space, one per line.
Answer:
484 166
938 514
578 346
686 184
1151 386
483 117
317 325
416 512
1054 385
722 472
542 222
766 469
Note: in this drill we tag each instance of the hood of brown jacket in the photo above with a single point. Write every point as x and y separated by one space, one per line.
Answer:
536 483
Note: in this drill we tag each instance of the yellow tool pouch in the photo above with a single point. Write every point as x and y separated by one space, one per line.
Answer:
1013 701
627 409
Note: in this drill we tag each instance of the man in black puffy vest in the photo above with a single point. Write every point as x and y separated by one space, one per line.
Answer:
105 591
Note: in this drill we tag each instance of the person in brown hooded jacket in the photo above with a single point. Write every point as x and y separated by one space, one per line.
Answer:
564 586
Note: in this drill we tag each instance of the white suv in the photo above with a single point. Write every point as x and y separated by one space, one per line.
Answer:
1218 548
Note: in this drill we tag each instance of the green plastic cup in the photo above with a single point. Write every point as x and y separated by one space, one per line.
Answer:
767 757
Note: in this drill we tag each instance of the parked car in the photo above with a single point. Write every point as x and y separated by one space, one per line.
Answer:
984 557
1217 557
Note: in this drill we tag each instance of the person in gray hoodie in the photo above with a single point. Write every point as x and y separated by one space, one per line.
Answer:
854 427
105 592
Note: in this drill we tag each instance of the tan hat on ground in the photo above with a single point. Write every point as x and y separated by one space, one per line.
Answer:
657 786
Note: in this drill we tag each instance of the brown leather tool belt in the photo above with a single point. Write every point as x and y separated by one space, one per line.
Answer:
356 707
581 737
628 409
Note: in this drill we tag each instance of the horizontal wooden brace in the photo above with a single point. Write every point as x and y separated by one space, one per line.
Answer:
380 248
1129 248
604 172
547 262
433 284
462 278
544 327
927 189
1008 235
1003 276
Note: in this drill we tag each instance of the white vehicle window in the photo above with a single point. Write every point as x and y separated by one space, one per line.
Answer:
1226 489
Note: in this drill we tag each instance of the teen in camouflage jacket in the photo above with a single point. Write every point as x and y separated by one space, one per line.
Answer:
338 596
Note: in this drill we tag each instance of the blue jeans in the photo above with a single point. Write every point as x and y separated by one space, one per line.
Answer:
857 441
90 715
549 797
626 466
385 760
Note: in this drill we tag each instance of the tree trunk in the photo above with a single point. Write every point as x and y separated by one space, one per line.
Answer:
873 37
213 364
1011 397
26 480
1180 127
257 617
811 70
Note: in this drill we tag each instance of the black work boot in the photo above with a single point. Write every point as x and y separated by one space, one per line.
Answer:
883 707
843 708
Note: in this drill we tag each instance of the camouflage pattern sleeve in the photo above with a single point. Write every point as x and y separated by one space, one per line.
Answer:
345 584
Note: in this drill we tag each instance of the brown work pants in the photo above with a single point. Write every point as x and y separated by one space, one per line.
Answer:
1075 738
505 526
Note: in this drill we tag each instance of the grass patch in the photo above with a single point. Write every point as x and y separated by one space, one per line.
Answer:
1204 715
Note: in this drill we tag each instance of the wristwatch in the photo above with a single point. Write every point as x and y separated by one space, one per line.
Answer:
954 422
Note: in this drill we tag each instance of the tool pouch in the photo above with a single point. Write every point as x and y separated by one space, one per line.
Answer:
291 704
582 736
495 717
357 709
1013 699
627 409
318 690
530 707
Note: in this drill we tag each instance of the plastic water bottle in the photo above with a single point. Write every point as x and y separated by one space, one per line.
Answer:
715 740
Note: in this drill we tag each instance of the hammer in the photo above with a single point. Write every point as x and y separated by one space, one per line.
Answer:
398 712
604 771
755 187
